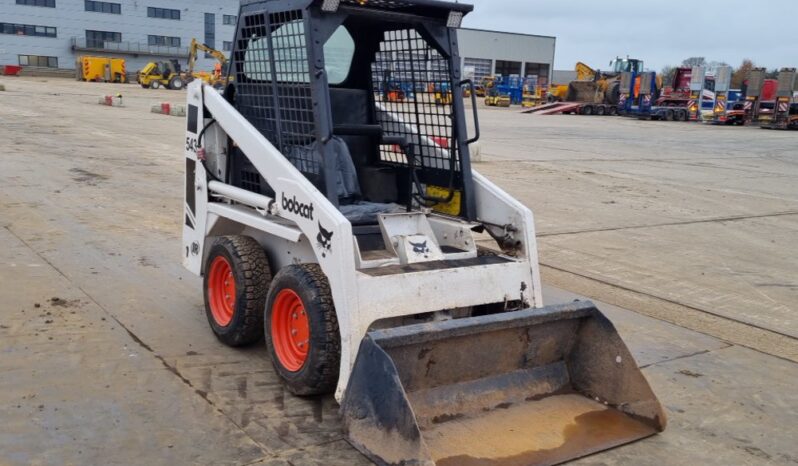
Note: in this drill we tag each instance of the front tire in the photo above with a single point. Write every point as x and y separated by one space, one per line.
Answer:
301 330
237 278
155 84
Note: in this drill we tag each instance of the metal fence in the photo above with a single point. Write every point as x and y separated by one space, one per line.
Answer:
131 48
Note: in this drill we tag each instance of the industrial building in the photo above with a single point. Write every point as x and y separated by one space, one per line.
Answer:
53 33
490 53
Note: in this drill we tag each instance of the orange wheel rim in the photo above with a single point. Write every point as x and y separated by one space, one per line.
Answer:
290 330
221 291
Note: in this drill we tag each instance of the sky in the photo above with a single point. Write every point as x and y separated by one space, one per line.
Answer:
597 31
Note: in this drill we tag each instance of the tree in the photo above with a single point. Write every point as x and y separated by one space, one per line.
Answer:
667 74
741 73
694 61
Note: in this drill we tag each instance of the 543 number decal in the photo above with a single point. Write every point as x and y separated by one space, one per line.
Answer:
191 144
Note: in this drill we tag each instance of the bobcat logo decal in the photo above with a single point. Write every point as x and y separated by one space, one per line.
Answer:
324 241
419 248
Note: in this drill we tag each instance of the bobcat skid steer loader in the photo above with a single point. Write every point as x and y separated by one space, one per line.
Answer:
343 228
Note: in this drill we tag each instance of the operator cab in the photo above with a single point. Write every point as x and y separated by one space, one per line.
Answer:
628 65
313 81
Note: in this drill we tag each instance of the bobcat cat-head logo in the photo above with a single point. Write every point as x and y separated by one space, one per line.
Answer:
419 248
324 240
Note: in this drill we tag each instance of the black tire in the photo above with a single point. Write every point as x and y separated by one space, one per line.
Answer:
318 373
613 93
669 115
601 110
145 86
613 111
681 115
176 83
252 276
155 84
587 110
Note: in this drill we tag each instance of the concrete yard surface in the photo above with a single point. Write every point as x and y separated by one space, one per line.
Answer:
684 235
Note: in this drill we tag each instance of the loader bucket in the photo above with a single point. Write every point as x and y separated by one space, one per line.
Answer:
584 91
530 387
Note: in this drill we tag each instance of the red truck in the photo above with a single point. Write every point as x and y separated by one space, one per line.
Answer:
677 94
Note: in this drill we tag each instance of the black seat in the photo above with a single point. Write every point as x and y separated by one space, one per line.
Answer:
353 156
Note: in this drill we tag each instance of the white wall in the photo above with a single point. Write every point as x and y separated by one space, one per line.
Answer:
71 20
495 45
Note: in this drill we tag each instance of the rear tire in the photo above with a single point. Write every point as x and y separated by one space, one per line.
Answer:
176 83
669 115
587 110
301 330
601 110
237 278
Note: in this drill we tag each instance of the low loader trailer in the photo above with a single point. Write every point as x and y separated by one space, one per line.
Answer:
341 229
785 108
642 105
574 108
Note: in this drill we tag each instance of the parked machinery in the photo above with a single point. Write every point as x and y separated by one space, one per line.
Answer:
343 231
217 79
166 74
760 96
169 74
595 92
101 69
638 94
497 98
785 110
558 92
727 108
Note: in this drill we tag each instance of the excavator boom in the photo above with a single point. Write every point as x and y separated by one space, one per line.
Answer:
197 46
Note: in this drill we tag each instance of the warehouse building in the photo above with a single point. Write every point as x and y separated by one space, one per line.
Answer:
491 53
53 33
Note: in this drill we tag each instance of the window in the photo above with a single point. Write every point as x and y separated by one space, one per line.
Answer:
97 39
229 20
227 46
481 67
103 7
338 53
47 3
292 63
210 31
163 40
163 13
36 60
508 68
27 30
541 70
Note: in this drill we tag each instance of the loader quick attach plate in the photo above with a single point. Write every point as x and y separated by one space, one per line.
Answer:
530 387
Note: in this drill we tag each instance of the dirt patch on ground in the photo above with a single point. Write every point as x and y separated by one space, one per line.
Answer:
84 176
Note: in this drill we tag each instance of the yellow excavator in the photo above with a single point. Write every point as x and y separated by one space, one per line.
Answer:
217 79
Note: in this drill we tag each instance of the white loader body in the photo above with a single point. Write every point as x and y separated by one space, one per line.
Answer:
300 225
